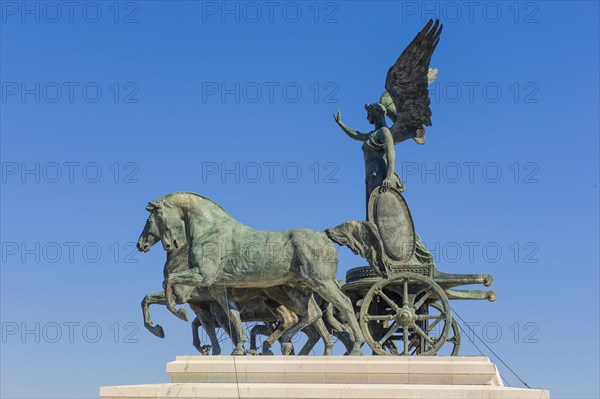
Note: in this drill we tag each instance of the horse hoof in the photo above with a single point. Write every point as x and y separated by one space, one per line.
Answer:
356 352
286 348
238 352
182 314
158 331
267 352
205 350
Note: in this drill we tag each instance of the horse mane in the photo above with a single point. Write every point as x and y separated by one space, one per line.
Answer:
166 196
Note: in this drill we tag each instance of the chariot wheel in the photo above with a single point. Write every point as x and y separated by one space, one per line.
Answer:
399 315
416 344
453 335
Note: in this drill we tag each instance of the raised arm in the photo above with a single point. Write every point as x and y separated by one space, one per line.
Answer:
353 134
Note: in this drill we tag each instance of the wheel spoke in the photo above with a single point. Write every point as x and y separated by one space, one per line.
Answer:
405 338
393 328
414 342
392 347
424 335
382 317
423 299
429 317
436 322
405 297
413 345
388 300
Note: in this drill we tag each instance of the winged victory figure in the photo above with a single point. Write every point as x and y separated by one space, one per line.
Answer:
406 102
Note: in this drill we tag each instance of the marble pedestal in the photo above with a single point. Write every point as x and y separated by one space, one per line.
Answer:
315 377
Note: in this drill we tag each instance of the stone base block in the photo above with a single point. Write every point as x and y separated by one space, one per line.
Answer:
316 377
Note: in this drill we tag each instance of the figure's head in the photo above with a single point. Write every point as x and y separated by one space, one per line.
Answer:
375 112
170 224
150 235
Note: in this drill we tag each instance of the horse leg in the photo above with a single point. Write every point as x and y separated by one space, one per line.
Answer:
324 334
333 323
330 292
204 318
188 278
221 319
150 299
297 301
345 339
287 318
321 325
258 329
196 324
312 339
233 313
339 330
311 315
288 350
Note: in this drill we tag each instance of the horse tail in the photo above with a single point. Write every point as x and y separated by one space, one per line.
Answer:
363 239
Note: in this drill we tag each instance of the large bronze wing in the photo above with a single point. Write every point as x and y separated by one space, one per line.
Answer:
407 82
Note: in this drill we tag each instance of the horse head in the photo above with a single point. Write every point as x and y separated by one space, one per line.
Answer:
150 235
169 223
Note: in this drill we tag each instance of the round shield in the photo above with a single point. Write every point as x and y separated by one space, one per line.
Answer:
389 211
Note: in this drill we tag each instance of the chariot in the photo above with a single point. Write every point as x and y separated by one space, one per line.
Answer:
401 300
407 311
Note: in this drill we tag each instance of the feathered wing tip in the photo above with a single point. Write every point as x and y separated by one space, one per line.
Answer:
432 33
363 239
432 73
407 82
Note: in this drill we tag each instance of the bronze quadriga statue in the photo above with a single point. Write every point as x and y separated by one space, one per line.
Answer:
230 274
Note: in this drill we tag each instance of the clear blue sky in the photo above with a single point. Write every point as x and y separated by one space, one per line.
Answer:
106 107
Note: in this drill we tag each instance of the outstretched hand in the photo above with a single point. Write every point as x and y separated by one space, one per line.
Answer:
338 117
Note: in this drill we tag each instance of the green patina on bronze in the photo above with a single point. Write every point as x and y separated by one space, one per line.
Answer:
230 273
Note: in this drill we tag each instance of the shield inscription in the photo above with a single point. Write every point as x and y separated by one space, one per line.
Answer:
389 211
